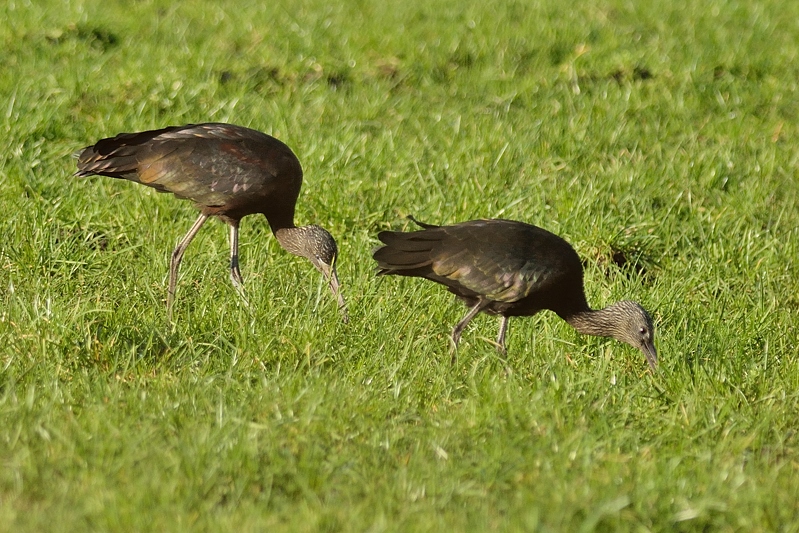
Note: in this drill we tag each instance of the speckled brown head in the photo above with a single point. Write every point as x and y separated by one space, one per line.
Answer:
317 245
633 325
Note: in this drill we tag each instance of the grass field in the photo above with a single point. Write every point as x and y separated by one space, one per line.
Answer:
660 138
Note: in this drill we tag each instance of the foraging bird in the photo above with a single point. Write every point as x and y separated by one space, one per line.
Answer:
509 268
228 172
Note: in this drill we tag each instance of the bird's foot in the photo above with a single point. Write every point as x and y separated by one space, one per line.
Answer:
453 346
242 295
235 273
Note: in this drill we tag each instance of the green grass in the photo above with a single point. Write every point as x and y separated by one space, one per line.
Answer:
662 131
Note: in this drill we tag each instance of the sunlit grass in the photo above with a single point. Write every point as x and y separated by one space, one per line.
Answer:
657 137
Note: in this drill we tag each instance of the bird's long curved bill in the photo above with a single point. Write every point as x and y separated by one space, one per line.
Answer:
336 288
651 356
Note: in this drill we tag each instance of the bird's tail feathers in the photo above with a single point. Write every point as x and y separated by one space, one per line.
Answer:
119 156
421 224
402 252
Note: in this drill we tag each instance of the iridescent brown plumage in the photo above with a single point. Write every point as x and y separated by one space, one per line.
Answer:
509 268
228 172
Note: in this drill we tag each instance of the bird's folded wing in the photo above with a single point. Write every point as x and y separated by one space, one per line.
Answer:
498 276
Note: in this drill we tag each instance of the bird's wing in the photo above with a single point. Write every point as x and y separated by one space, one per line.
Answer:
208 163
502 260
502 265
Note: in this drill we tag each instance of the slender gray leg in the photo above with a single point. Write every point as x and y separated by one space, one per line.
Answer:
503 328
460 326
235 273
177 255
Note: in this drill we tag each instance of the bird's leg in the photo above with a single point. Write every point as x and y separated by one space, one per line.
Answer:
460 326
177 255
503 328
235 273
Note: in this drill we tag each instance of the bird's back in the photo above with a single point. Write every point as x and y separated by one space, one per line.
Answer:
225 170
519 267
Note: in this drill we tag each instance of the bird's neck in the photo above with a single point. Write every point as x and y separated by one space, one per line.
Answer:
280 219
597 322
291 239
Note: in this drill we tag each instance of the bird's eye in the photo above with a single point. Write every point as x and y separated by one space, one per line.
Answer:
642 331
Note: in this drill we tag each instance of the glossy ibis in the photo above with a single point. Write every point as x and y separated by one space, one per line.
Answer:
509 268
228 172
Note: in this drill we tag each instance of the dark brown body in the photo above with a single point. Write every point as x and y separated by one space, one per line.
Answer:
519 269
227 171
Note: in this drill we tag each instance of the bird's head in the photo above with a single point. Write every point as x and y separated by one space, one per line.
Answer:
636 329
317 245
